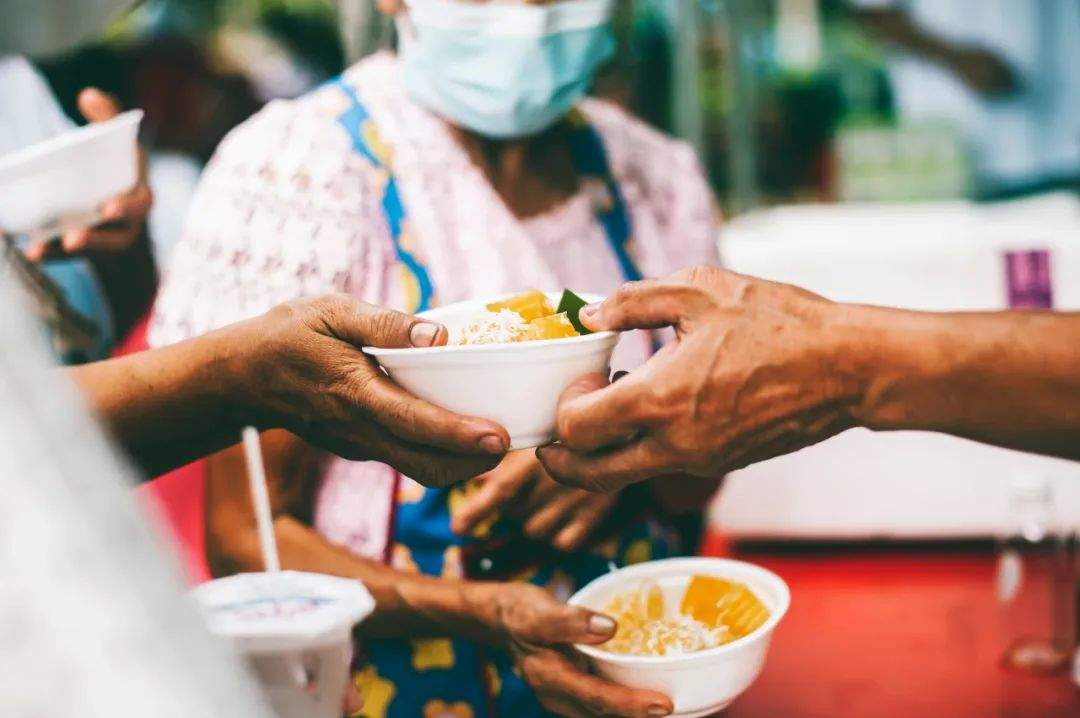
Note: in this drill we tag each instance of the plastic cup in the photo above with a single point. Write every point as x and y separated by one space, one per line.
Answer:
294 630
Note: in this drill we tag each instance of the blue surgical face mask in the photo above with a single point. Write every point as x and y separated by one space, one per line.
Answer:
503 70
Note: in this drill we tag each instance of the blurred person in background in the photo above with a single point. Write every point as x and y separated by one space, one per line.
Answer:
468 165
160 57
105 272
194 78
1003 71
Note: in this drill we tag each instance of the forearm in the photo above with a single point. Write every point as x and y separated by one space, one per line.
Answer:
1010 378
893 26
406 604
299 366
172 405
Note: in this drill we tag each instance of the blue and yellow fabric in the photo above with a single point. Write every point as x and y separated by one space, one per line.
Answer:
419 293
452 678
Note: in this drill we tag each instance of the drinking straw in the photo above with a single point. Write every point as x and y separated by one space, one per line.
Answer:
260 497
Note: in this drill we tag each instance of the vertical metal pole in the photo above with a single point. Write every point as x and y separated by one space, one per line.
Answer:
739 17
688 117
353 16
363 28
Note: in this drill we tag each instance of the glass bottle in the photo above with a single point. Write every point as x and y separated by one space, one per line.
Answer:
1035 581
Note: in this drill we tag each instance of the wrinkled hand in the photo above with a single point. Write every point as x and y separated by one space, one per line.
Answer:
301 368
540 632
122 218
520 489
758 369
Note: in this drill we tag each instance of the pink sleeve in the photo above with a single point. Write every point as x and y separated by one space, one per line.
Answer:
676 219
693 216
284 210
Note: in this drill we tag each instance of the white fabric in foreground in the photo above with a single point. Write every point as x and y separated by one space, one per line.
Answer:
28 113
93 621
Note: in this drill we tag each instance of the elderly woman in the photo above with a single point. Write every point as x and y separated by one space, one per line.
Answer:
468 165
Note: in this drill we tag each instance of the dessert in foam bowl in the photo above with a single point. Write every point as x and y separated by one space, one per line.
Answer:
696 629
507 359
527 317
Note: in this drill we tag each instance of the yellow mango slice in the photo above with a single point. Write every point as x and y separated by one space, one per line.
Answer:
529 305
557 326
654 603
717 601
632 612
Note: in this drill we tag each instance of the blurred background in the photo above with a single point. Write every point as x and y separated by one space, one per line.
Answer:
785 100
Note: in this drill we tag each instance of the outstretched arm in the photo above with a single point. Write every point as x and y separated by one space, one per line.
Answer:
762 369
297 367
1007 378
979 68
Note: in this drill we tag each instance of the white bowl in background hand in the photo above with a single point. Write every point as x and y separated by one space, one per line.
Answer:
700 683
61 182
516 385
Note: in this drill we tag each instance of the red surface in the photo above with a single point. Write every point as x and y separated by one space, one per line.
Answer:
891 632
177 499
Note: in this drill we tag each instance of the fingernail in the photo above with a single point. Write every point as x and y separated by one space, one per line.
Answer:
548 453
423 334
659 710
601 625
589 310
493 444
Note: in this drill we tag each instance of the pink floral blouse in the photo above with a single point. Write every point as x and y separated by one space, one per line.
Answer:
286 209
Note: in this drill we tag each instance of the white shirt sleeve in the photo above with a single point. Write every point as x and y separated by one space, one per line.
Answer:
28 111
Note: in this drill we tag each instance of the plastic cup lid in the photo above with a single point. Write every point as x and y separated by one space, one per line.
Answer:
282 611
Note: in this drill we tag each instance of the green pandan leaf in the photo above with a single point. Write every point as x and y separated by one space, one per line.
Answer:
572 304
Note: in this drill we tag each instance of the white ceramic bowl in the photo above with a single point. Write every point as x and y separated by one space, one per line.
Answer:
702 683
60 182
516 385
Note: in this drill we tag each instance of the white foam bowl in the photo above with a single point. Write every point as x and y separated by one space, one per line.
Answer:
63 180
516 385
702 683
